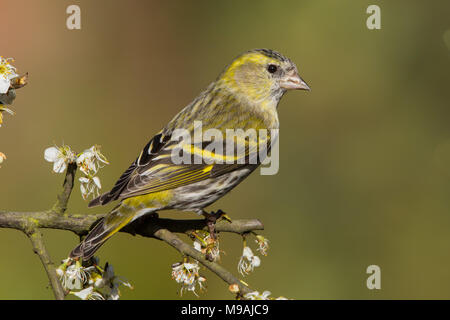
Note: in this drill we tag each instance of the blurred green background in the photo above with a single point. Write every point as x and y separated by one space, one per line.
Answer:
364 158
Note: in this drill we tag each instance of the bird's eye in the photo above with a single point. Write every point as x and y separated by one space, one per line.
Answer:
272 68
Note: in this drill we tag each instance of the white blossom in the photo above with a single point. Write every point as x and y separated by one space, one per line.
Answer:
248 261
91 282
109 284
73 276
7 72
95 150
263 244
187 274
60 157
88 294
255 295
86 164
206 245
91 160
90 186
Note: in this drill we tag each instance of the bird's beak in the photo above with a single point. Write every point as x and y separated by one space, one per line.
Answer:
292 81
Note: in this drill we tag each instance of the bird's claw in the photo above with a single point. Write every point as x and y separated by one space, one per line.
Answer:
211 219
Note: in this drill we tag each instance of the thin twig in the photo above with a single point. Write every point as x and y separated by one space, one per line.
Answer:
39 248
63 198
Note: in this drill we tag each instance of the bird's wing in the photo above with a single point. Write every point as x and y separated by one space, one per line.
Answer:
155 170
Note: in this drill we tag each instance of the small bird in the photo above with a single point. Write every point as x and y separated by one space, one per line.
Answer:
244 96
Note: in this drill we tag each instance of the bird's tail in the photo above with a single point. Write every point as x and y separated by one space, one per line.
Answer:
103 230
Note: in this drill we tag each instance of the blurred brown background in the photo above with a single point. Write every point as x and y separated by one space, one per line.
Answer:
364 158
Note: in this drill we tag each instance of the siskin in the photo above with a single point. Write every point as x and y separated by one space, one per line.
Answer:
244 96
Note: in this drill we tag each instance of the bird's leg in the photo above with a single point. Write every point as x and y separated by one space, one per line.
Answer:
211 219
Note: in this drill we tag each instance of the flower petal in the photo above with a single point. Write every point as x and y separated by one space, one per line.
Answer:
247 252
97 182
197 246
4 85
51 154
83 180
59 166
83 294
